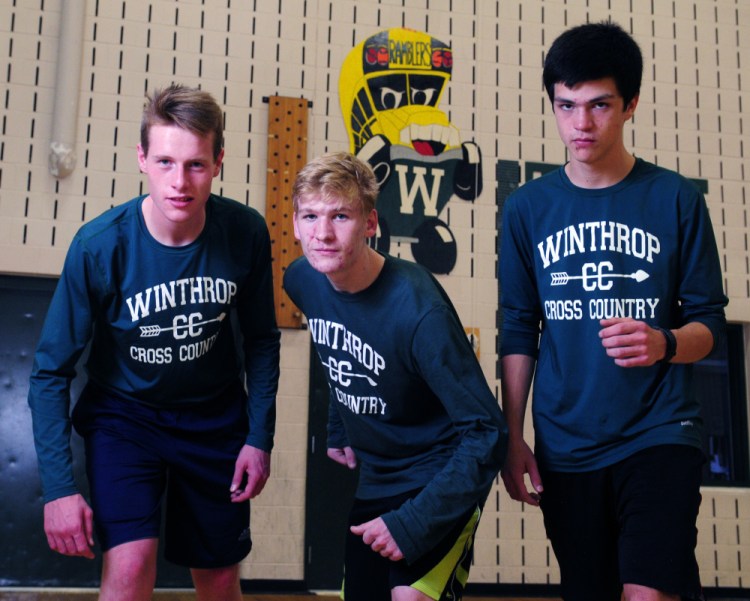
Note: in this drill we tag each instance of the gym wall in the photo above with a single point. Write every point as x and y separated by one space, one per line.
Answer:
692 117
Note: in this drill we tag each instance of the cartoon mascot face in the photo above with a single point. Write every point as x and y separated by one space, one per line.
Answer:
390 87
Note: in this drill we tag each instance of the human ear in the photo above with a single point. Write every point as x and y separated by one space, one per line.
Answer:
371 224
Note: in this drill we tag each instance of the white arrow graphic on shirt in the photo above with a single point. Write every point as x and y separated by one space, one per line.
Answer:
334 368
150 331
560 278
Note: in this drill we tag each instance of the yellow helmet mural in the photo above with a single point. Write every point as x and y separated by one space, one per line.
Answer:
391 84
390 87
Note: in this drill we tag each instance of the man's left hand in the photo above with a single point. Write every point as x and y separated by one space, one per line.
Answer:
253 466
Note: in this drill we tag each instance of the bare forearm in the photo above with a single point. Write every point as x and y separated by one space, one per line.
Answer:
694 342
517 372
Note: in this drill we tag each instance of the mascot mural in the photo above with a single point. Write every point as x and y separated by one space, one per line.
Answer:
390 87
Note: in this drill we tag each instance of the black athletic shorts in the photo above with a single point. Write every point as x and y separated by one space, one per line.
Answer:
440 574
633 522
135 453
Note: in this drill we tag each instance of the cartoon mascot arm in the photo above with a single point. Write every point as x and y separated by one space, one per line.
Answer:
467 179
377 152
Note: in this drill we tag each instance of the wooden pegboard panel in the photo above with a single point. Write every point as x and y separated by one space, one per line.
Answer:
287 154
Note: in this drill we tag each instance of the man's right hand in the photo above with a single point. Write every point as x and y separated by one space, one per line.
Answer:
519 462
69 526
345 456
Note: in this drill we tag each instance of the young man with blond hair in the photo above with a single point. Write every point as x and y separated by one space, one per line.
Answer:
409 402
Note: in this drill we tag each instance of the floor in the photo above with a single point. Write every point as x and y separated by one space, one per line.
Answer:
79 595
70 595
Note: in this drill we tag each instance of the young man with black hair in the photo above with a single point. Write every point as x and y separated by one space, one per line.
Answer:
611 288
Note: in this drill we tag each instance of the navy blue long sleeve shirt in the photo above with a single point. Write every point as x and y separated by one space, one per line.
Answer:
410 393
159 320
643 248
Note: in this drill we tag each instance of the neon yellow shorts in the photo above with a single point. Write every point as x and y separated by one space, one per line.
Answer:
448 578
441 573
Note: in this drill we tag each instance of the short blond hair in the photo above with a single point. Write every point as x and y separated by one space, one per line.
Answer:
337 176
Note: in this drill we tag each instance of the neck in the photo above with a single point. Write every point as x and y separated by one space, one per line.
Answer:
169 233
362 275
586 175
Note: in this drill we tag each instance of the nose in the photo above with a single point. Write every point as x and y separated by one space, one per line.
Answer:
324 229
179 178
582 118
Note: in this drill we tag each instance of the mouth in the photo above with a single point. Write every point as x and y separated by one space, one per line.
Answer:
429 140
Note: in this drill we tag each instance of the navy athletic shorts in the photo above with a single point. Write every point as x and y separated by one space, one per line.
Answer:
633 522
440 574
136 453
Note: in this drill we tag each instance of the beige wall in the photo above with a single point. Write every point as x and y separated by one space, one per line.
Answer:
692 117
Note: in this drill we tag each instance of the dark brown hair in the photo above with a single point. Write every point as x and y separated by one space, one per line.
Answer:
189 108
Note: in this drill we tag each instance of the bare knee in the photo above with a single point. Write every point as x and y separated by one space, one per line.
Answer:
636 592
407 593
129 571
217 584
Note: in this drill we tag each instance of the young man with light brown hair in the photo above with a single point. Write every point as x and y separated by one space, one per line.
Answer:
170 406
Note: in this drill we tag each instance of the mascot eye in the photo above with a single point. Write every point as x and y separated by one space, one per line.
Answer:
390 98
422 96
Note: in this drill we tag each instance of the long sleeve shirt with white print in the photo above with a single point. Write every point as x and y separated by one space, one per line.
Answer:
642 249
407 394
161 324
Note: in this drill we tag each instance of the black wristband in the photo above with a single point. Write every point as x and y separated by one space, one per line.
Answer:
671 349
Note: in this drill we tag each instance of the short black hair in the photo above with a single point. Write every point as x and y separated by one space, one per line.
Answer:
594 51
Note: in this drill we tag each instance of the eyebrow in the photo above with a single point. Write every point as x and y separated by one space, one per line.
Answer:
170 157
594 100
